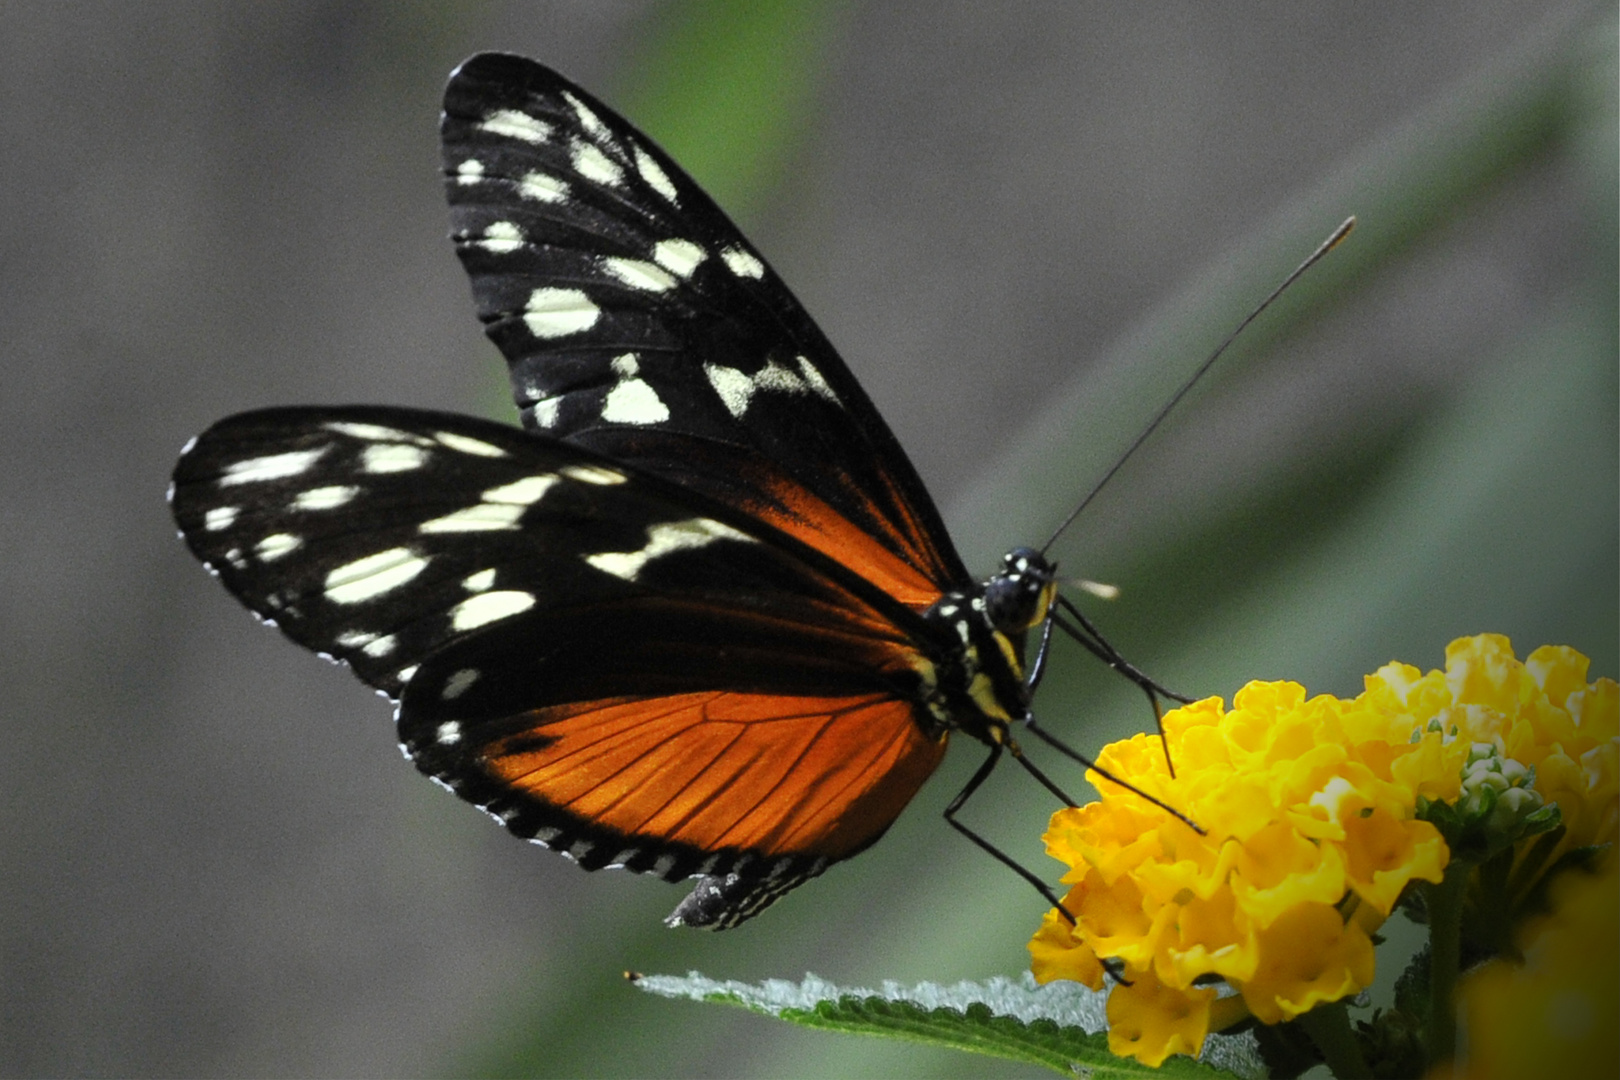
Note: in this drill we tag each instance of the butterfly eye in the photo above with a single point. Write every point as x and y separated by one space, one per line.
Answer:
1010 604
1017 598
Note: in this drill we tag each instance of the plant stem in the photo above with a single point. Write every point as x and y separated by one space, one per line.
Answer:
1329 1028
1445 950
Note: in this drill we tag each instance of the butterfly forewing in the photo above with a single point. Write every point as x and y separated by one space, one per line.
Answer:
379 535
637 320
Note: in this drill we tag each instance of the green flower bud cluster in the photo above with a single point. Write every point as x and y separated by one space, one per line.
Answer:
1497 807
1497 792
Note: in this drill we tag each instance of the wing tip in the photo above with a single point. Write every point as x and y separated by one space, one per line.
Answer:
511 74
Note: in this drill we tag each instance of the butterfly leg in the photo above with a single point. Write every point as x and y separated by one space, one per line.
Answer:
1001 856
1093 641
1075 755
1114 967
1037 667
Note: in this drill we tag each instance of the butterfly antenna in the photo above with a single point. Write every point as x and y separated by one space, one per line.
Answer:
1175 399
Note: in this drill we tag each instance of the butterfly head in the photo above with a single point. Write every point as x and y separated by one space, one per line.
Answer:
1018 595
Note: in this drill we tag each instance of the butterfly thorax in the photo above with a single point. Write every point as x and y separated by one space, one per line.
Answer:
979 687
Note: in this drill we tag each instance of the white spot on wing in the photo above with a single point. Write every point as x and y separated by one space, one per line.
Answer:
480 517
596 166
404 674
592 474
501 238
354 639
638 274
220 518
324 498
524 492
270 467
656 177
485 608
478 582
516 125
277 545
468 445
552 313
470 171
375 433
448 733
458 684
816 382
373 575
743 263
381 647
632 401
737 389
733 387
500 509
542 187
679 257
587 119
663 538
392 458
546 410
774 376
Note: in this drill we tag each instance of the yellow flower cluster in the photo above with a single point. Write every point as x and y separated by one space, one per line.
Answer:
1310 836
1544 715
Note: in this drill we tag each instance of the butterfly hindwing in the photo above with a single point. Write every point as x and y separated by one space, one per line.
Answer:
755 792
637 320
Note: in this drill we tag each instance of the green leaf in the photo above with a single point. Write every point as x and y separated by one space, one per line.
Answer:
1059 1026
977 1030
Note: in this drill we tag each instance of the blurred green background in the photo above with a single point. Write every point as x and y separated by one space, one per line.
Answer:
1021 224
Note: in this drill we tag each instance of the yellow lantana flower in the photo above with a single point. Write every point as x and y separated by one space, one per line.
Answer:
1544 715
1309 809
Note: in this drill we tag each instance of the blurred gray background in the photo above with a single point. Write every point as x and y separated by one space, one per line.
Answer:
1022 224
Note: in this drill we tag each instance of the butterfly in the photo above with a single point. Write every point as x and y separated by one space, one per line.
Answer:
699 616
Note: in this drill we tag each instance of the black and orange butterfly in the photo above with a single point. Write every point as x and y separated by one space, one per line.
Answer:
701 618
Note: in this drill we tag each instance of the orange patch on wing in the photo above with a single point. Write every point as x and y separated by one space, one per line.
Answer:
813 521
770 774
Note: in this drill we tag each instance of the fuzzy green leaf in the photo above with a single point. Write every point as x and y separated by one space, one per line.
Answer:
1059 1027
